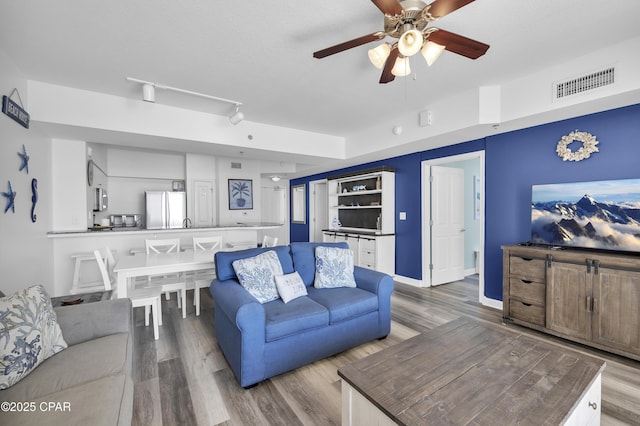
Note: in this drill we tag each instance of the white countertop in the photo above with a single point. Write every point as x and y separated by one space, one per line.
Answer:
138 231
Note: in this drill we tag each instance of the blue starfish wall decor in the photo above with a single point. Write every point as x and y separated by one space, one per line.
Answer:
25 160
11 196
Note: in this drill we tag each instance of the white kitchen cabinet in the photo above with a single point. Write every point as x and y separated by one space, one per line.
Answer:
369 251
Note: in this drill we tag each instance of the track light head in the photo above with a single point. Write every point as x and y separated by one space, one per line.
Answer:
237 116
148 92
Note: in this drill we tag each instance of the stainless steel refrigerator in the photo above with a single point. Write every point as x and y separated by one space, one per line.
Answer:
165 209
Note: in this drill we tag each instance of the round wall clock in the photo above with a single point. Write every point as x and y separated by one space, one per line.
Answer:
90 172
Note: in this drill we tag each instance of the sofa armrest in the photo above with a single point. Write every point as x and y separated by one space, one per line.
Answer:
80 323
382 285
238 304
373 281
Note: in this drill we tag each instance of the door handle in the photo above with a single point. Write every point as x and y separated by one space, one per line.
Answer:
462 230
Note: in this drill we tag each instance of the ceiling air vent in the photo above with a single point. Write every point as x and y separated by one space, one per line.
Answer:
585 83
236 165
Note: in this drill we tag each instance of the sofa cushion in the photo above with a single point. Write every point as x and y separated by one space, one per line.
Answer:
304 258
224 260
334 268
29 333
299 315
256 274
290 286
106 401
75 365
344 303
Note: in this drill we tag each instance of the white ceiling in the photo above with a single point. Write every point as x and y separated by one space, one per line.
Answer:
260 52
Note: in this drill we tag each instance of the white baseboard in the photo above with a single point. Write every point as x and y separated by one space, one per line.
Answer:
470 271
492 303
409 281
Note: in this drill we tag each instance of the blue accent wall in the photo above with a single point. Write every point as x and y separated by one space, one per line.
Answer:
513 162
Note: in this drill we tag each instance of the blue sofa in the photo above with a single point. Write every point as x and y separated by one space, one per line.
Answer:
263 340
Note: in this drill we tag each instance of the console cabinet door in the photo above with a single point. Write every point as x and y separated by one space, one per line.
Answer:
566 307
616 309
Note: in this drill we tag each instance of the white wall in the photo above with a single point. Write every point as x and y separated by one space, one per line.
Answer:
25 252
69 182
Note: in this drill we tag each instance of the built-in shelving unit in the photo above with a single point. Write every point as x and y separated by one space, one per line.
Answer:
364 205
363 201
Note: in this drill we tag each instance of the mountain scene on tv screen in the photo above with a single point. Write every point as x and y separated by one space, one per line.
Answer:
588 222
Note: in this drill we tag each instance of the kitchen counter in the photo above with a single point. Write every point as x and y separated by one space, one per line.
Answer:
124 240
356 231
141 231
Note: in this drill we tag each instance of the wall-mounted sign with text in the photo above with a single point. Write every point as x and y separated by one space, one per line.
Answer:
15 111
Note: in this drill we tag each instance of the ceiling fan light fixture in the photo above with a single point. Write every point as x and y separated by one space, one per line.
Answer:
410 42
432 51
378 55
401 68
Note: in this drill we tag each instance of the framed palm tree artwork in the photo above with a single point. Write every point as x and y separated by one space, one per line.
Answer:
240 194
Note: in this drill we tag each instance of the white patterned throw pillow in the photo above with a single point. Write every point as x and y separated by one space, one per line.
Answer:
334 268
256 275
290 286
29 333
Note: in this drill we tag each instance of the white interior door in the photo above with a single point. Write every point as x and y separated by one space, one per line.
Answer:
447 224
319 211
273 204
203 212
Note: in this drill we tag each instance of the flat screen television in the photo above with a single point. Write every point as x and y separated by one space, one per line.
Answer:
602 215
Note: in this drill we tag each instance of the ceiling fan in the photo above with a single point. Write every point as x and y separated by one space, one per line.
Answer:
407 21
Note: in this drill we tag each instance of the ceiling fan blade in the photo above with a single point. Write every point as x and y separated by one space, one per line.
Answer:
440 8
348 45
461 45
386 76
389 7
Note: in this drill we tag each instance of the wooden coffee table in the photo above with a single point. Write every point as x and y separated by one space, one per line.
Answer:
467 372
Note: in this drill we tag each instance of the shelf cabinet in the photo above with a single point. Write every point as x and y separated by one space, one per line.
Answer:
363 201
589 297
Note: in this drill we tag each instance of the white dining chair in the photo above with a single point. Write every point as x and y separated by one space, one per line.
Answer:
202 279
78 285
168 283
147 297
269 241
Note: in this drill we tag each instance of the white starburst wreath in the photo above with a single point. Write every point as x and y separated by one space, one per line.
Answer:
588 147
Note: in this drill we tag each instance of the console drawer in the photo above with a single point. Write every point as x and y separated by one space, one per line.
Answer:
530 291
525 311
531 269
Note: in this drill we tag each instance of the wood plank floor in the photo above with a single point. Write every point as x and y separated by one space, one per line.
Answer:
183 378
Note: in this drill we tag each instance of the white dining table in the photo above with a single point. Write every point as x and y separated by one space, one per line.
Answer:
129 267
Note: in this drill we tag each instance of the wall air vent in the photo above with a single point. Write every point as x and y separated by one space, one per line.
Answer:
236 165
585 83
